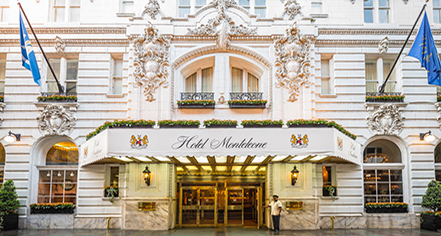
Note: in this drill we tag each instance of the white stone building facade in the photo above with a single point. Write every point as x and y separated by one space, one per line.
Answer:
131 60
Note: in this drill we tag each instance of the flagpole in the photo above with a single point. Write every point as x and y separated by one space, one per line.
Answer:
60 88
382 87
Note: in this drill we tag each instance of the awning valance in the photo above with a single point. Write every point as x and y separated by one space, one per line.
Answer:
120 145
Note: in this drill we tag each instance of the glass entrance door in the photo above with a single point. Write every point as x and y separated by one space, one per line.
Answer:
243 206
198 206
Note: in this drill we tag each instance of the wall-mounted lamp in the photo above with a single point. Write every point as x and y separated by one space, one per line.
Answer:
294 175
147 175
12 137
428 137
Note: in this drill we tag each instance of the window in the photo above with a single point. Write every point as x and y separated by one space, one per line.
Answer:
327 176
376 11
69 78
241 79
116 86
437 156
382 151
325 78
2 73
202 81
113 179
184 8
316 7
257 7
4 9
376 72
200 4
383 185
436 11
2 163
71 6
58 179
127 6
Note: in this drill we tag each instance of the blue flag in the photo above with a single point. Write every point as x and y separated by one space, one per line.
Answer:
27 53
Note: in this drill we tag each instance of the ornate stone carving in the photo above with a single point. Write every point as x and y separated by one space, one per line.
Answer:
353 1
383 46
222 26
151 61
59 45
292 63
386 120
152 9
292 9
405 1
55 119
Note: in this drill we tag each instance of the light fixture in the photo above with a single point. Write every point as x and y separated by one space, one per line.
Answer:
59 174
11 137
428 137
71 174
48 174
147 175
294 175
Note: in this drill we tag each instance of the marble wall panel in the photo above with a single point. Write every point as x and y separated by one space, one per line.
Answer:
146 220
301 219
96 223
50 221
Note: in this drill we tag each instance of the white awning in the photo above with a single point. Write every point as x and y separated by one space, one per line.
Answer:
191 146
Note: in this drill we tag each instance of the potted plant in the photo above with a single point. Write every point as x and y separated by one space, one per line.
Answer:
9 204
111 192
57 98
385 98
196 104
179 123
431 200
262 123
258 103
330 191
213 123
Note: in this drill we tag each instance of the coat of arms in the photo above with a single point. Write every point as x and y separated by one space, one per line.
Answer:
86 152
139 142
340 143
297 141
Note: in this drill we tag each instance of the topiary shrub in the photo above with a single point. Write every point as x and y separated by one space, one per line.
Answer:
8 198
432 197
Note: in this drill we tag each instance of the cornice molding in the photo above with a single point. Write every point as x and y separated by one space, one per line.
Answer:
349 31
68 30
69 42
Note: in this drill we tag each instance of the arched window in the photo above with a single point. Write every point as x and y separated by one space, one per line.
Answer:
58 179
383 172
241 79
200 81
437 156
2 163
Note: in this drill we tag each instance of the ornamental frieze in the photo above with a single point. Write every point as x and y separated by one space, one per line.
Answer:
386 120
292 9
151 61
55 119
292 62
152 9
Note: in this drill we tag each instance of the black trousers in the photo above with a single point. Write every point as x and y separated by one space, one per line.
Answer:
276 222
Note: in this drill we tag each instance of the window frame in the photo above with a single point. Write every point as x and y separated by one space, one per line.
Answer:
67 12
387 167
198 73
245 73
2 73
112 77
438 9
251 8
380 76
62 73
329 77
376 12
4 8
52 168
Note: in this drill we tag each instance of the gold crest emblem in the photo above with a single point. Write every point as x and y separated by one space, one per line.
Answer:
139 142
297 141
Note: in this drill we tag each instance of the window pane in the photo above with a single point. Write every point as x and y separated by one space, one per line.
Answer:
62 153
207 80
316 8
368 3
71 87
325 86
45 176
371 71
244 2
397 199
71 199
383 15
44 199
260 11
383 198
383 3
190 83
236 80
59 14
114 176
327 175
127 7
396 188
260 2
72 69
383 175
370 189
368 16
75 2
58 191
184 2
52 87
58 176
55 63
395 176
201 2
59 2
370 199
71 176
118 68
117 85
44 189
436 16
4 14
183 11
369 176
253 83
438 175
325 67
383 189
436 3
2 69
74 14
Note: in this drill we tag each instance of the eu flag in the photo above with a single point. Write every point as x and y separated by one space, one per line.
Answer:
27 53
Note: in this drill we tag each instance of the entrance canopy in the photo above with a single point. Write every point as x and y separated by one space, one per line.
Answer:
220 148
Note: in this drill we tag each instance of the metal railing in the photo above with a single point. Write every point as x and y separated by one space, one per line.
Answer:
196 96
48 94
246 96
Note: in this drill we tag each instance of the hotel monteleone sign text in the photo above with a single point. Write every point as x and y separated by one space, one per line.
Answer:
196 142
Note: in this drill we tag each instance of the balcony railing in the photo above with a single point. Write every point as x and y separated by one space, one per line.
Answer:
384 97
196 96
246 96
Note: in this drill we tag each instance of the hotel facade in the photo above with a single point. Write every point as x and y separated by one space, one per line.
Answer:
252 60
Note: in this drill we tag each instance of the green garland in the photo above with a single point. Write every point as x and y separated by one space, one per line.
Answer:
2 98
386 205
179 122
120 123
385 97
57 98
261 122
197 102
320 121
211 122
248 102
438 99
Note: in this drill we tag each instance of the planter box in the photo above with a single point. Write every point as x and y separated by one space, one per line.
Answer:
247 106
309 126
387 210
384 101
56 101
262 126
430 222
220 126
116 194
134 127
178 126
326 192
52 211
10 222
196 106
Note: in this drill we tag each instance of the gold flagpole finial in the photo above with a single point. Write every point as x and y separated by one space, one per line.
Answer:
427 1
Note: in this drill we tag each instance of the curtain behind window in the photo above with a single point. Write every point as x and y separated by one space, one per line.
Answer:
190 83
253 83
236 80
207 80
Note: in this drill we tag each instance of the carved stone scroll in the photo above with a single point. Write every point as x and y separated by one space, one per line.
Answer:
386 120
55 119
